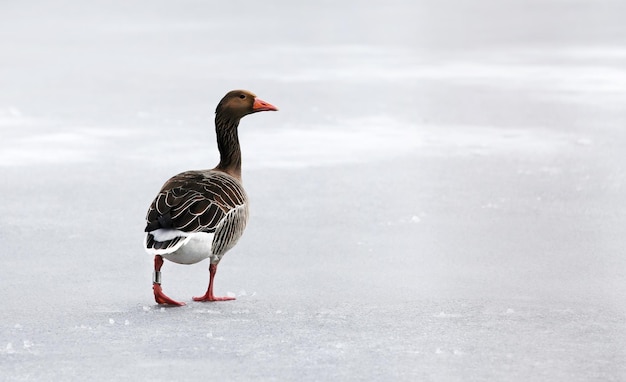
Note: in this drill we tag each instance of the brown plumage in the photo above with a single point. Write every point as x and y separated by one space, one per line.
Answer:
202 214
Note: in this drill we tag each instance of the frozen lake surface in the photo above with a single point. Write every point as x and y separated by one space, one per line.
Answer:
440 197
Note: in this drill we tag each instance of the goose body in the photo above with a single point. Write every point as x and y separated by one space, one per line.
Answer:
196 215
203 213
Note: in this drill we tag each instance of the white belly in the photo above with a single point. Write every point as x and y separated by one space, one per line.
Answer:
196 248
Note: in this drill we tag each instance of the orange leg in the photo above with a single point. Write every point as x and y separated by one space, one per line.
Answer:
209 293
159 296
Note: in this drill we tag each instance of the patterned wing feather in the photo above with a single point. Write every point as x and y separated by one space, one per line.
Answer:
193 201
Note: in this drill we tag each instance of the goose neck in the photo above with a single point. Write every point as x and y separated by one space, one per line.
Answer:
228 145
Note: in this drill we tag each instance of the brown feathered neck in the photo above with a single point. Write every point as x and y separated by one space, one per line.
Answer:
226 129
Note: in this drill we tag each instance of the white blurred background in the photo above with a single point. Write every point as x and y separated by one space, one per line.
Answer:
440 196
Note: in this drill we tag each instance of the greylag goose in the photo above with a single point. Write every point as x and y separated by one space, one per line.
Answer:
202 214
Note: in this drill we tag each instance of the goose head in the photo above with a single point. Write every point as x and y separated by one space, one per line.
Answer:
239 103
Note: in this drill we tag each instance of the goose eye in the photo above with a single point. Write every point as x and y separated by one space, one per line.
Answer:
242 96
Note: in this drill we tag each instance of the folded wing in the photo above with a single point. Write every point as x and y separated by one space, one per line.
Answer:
190 202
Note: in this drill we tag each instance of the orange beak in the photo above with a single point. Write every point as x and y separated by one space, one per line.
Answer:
260 105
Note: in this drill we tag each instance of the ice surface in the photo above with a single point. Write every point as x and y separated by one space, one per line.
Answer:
440 197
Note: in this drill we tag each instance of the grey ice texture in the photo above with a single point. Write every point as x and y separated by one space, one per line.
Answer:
441 196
